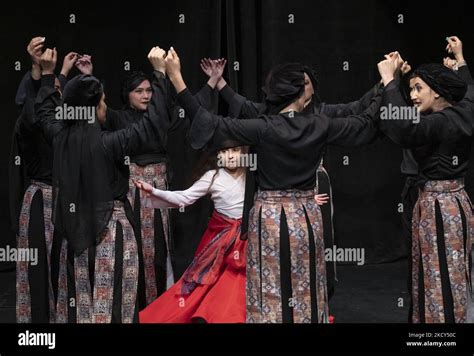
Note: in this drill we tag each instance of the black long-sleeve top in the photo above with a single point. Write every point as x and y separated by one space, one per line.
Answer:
118 145
288 146
441 142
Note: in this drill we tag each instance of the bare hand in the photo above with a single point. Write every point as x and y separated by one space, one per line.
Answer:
455 47
48 61
173 64
397 57
213 67
144 186
450 63
35 49
405 68
84 64
388 68
68 63
156 56
321 199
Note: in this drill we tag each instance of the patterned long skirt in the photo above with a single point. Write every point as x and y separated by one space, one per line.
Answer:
443 229
100 285
286 271
153 234
33 278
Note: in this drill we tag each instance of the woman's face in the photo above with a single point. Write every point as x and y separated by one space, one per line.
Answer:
422 96
230 158
308 90
140 97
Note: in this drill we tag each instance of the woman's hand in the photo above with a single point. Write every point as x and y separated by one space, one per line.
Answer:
68 62
84 64
35 49
450 63
321 199
48 61
144 186
156 56
455 47
173 69
389 67
214 69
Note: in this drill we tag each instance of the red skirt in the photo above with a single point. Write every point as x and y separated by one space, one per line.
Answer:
213 286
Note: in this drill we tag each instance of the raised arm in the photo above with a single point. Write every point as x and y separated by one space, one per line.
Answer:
206 125
239 106
458 64
415 131
355 130
48 97
31 81
140 136
162 199
352 108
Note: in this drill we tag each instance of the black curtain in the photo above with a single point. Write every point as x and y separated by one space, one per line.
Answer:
253 35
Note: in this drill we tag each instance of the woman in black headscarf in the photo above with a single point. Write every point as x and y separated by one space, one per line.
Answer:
439 129
90 183
242 108
30 193
286 271
152 226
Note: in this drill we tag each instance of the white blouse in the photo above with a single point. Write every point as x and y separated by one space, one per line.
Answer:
227 193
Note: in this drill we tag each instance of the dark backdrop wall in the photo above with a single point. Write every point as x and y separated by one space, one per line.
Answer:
253 35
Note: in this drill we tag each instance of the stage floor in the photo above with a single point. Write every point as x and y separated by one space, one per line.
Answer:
364 294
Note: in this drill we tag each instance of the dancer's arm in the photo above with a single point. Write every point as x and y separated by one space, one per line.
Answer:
239 106
354 107
455 47
141 136
355 130
160 199
426 129
206 124
48 98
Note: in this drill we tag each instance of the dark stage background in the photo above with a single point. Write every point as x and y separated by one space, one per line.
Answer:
258 35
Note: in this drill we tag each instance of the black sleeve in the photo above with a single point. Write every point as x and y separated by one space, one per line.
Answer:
355 130
26 122
47 100
62 81
114 120
239 106
352 108
140 136
425 129
465 74
28 88
207 98
205 124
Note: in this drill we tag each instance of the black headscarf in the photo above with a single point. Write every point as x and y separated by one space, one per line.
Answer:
442 80
316 100
83 90
83 197
130 83
284 84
